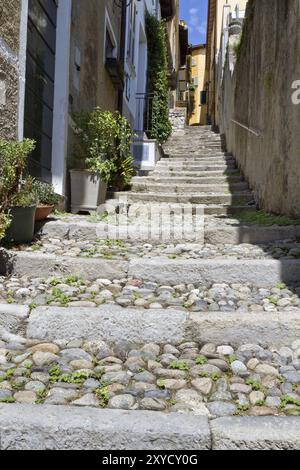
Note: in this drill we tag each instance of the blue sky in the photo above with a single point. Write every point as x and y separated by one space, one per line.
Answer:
194 12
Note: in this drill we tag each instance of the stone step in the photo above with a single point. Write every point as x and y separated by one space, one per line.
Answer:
196 157
161 269
35 264
192 166
217 231
239 198
262 272
225 210
165 172
50 427
209 180
160 187
113 325
196 161
197 150
200 145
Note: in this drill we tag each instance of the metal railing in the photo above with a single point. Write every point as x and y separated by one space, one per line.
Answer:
249 129
144 112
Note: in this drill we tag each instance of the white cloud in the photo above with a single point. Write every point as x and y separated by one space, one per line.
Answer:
202 28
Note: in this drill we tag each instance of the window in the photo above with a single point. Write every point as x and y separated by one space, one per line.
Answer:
131 33
127 87
203 98
194 62
109 46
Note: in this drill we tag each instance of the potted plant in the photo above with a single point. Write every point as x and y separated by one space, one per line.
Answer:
47 200
102 154
17 197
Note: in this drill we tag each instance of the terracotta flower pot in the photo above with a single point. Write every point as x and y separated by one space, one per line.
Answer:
42 212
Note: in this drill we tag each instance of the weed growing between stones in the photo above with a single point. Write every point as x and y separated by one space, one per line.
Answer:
201 360
263 218
180 365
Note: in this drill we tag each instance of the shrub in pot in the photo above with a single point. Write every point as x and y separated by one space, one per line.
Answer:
47 199
17 198
103 152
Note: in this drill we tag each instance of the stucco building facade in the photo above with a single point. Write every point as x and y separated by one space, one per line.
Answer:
198 109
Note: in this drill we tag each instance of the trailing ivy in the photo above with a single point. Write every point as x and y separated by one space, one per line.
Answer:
160 125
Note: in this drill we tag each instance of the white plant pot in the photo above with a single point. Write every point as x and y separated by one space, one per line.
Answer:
88 191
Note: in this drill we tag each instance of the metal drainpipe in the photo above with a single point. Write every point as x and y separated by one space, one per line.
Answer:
122 50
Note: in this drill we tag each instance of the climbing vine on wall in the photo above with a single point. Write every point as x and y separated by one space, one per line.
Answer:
160 125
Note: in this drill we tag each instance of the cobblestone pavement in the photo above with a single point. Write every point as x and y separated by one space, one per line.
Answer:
71 291
115 249
207 379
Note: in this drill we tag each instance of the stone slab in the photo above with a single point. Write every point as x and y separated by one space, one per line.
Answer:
110 323
13 316
257 272
279 329
115 324
35 264
256 433
46 427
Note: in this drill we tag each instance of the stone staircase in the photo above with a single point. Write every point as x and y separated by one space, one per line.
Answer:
195 170
141 343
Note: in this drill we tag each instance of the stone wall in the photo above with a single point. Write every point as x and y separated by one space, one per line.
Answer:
257 92
10 14
178 117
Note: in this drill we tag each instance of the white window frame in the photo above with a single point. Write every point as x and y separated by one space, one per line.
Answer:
108 28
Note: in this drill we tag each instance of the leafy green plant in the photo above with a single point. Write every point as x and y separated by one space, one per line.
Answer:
5 221
272 300
57 295
256 386
180 365
201 360
41 395
102 394
215 376
104 146
161 383
17 385
8 400
287 400
55 373
231 358
26 195
159 125
45 193
13 160
260 403
242 408
281 286
10 373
